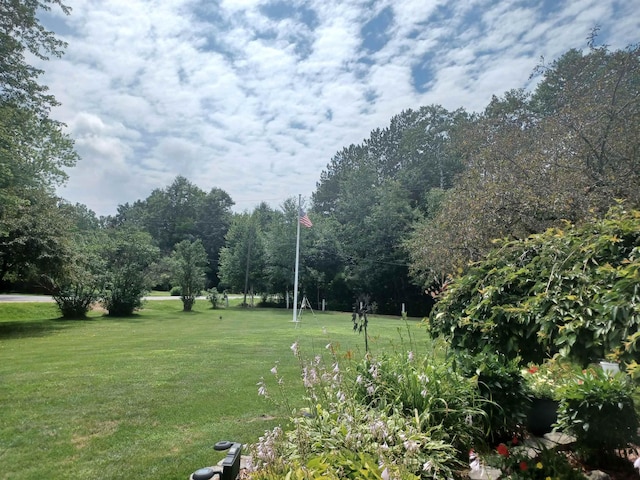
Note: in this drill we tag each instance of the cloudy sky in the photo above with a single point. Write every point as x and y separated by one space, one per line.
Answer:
256 96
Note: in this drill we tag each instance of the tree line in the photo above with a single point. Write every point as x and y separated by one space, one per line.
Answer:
395 216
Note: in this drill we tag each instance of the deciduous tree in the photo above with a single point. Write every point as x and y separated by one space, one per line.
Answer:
189 260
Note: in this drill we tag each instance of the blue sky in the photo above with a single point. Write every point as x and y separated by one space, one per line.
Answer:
256 96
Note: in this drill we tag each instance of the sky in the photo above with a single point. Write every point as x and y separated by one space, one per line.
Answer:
256 96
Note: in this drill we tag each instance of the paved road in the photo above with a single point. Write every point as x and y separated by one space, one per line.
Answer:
45 298
25 298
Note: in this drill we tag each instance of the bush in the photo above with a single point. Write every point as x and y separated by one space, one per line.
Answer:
214 297
74 301
127 255
175 291
570 291
122 303
501 384
598 410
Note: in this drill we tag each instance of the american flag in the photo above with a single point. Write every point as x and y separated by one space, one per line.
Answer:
304 219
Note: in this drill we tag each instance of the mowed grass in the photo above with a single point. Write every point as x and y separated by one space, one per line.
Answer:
148 396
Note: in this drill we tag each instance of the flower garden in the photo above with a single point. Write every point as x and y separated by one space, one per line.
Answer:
530 322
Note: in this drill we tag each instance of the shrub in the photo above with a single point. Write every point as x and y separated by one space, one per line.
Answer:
571 291
598 410
127 255
175 291
75 300
501 384
214 297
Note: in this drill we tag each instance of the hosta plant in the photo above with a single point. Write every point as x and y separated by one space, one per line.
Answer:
350 413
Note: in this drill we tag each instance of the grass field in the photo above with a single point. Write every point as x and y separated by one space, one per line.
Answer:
148 396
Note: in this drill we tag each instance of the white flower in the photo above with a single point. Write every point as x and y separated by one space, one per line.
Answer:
426 466
474 461
328 346
385 473
262 388
410 356
411 446
274 370
294 348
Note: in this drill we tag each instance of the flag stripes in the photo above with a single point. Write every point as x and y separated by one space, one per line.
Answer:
304 219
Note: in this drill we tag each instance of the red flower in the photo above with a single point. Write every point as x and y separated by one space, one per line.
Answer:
523 466
533 369
514 440
503 450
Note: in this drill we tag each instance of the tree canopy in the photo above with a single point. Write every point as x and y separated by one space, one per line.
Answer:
533 160
34 150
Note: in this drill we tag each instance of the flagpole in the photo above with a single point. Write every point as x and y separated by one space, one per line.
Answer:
295 280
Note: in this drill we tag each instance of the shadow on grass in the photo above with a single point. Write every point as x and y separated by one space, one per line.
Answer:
35 328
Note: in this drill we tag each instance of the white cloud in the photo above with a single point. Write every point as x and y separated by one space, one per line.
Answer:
234 99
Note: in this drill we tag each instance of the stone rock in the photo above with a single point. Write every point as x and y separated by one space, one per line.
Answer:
485 473
598 475
560 439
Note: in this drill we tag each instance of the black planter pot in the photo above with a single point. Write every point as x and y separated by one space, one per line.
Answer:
542 416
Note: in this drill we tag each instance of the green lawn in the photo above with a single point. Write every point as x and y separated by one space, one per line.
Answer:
148 396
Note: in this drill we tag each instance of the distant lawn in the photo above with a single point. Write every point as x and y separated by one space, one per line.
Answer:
158 293
148 396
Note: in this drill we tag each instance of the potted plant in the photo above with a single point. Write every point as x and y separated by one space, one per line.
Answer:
598 409
544 383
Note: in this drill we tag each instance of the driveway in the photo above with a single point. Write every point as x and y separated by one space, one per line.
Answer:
45 298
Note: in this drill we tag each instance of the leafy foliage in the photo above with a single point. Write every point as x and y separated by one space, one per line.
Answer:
34 151
572 291
501 384
79 285
384 413
599 411
535 160
213 296
516 463
179 212
127 255
188 265
242 258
